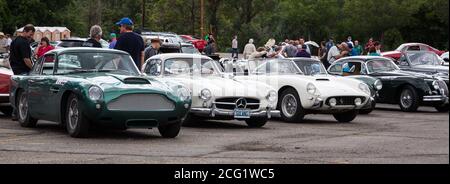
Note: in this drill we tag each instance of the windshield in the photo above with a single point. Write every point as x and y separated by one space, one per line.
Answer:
71 43
190 50
423 58
190 66
311 67
381 65
280 67
96 62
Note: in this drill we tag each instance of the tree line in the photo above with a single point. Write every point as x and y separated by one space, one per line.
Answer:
390 21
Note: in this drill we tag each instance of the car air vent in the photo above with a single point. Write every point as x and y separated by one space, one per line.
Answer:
322 79
136 81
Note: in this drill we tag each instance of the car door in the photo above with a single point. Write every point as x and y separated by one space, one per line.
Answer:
52 88
33 89
46 108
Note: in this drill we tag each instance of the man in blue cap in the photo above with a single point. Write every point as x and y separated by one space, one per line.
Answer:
130 42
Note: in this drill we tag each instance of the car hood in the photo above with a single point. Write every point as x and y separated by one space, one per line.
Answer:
336 86
221 86
109 81
434 69
402 73
366 79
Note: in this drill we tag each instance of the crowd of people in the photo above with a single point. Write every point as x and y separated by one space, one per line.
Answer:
327 51
132 43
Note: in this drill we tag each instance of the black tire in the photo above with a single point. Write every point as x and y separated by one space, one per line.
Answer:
368 111
256 122
299 114
412 101
346 117
442 108
170 130
23 114
77 125
7 111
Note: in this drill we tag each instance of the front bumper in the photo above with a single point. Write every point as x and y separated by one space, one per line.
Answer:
436 100
4 100
319 106
229 114
100 114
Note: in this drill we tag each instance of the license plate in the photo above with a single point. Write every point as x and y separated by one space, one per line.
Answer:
241 114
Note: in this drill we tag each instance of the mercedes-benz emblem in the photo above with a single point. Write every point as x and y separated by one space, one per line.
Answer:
241 103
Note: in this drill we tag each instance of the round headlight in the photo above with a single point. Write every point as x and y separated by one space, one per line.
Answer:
363 87
272 96
358 101
311 89
333 102
206 95
436 85
184 94
378 85
95 93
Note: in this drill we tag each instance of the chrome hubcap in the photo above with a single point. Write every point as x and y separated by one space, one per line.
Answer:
23 107
73 114
289 105
406 99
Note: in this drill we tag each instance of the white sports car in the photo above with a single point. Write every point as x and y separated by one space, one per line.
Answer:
300 95
216 95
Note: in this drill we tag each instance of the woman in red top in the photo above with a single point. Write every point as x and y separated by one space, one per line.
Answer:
44 47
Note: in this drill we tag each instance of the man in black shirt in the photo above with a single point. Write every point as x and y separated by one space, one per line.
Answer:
130 42
20 52
20 55
95 37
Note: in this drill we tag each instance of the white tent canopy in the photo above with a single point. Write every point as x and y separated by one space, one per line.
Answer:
50 29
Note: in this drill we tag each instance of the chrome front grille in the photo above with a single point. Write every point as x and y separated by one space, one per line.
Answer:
141 102
234 103
444 88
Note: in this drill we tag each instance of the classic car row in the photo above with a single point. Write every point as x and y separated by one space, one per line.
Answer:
85 87
419 80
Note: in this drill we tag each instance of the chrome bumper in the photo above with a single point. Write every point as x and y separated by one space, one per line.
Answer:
210 112
319 104
4 98
436 98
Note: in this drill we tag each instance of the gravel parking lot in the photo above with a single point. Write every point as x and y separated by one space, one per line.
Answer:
386 136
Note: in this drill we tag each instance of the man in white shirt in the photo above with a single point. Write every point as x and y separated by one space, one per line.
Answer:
337 52
249 49
235 48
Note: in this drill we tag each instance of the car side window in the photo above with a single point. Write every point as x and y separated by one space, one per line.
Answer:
37 67
49 64
336 69
153 67
424 48
414 48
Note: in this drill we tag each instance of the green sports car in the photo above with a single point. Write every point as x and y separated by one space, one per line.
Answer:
85 87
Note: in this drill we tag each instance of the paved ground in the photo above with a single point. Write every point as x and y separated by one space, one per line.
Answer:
386 136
